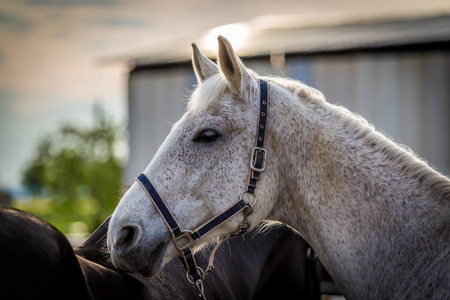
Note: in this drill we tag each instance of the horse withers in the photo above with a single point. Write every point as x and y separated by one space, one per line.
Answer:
376 214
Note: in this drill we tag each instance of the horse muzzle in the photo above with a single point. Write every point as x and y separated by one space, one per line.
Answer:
132 253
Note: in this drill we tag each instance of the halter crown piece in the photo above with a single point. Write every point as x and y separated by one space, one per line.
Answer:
184 240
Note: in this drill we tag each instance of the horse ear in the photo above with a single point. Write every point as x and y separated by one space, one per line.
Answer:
203 67
231 66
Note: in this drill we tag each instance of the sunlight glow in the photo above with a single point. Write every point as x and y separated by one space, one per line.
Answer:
235 33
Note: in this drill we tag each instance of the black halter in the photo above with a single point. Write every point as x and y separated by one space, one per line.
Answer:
184 240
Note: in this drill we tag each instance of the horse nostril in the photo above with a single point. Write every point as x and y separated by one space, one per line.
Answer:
129 234
128 238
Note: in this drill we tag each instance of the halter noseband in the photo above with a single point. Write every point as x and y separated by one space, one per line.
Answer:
184 240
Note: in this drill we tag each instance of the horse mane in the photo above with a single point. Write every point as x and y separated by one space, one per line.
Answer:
412 165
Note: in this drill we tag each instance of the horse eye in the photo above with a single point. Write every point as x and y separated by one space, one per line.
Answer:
207 136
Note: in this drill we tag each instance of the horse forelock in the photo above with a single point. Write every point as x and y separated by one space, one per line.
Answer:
207 95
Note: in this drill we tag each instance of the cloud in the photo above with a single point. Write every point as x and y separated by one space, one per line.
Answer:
14 22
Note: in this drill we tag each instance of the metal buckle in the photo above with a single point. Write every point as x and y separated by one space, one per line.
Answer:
183 241
255 156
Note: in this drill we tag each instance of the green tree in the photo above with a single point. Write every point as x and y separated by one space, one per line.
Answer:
78 169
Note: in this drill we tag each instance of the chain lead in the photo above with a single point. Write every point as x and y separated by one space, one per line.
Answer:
199 285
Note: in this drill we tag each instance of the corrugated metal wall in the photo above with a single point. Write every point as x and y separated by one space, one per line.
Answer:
156 101
406 95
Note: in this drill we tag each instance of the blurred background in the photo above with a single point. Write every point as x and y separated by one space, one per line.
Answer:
89 88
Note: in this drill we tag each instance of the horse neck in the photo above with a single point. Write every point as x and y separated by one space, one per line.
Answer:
359 199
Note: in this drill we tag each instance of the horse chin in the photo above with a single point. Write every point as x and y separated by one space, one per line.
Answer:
146 264
154 263
150 271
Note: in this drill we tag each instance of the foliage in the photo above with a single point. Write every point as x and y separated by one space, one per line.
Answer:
78 170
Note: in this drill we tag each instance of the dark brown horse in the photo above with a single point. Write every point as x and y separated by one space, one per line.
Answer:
37 262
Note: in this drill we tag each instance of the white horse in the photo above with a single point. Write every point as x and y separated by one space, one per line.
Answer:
377 216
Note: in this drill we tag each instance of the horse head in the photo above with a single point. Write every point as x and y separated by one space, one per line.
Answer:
201 168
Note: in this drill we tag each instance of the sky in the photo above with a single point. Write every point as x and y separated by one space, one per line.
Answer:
52 54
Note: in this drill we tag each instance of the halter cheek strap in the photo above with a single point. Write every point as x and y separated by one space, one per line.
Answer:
258 157
184 240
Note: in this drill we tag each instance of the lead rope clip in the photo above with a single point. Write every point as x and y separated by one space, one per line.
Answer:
245 224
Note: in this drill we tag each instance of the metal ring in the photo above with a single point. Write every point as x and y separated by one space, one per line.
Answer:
245 191
189 277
